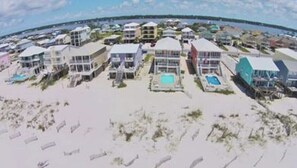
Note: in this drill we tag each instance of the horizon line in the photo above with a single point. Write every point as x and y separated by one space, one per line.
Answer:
198 17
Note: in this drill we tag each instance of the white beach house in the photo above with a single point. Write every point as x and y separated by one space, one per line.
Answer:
32 57
167 56
62 39
132 32
80 36
88 60
125 58
206 57
56 57
169 33
188 35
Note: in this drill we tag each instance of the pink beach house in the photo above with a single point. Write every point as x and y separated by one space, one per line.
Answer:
4 60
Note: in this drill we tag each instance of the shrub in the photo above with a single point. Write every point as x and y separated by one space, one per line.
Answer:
122 85
198 83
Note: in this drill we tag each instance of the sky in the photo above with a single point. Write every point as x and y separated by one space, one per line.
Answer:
16 15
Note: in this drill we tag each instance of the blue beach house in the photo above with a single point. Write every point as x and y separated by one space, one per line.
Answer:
288 72
257 71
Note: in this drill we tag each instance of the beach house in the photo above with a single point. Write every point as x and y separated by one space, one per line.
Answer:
205 57
56 57
287 73
80 36
113 39
62 39
214 28
32 57
149 32
4 60
131 32
5 47
167 56
23 44
125 59
224 38
169 33
285 54
258 72
87 61
206 35
187 35
167 71
248 40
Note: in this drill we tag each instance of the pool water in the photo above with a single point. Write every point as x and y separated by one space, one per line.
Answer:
19 78
167 79
213 80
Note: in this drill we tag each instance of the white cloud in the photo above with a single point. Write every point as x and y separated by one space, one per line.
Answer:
16 8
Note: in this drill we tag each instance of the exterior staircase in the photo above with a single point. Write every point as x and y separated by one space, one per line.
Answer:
119 74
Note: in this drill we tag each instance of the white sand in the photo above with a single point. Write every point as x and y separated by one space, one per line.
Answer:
95 104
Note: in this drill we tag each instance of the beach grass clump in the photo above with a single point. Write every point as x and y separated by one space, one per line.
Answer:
198 83
122 85
118 161
243 49
33 78
46 84
66 103
158 133
223 47
224 92
195 115
148 58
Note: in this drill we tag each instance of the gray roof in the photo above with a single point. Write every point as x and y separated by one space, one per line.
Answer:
124 48
150 24
187 29
291 65
169 31
168 44
288 52
262 63
57 47
33 50
205 45
87 49
61 36
24 41
114 36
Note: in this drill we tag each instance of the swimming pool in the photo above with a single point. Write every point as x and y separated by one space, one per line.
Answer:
167 79
19 78
213 80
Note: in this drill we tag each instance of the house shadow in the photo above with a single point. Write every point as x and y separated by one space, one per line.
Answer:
242 86
190 67
151 70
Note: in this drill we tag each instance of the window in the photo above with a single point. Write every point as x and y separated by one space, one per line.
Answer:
87 68
79 68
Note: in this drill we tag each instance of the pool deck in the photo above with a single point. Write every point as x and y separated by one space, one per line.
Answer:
156 84
211 88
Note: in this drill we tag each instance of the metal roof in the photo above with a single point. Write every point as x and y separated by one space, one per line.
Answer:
205 45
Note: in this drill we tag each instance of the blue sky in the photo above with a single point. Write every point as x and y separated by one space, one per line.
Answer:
18 15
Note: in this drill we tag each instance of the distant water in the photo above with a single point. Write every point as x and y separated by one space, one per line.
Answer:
243 26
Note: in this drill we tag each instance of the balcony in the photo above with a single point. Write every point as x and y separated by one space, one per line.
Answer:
129 59
115 59
162 56
168 64
80 61
209 66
